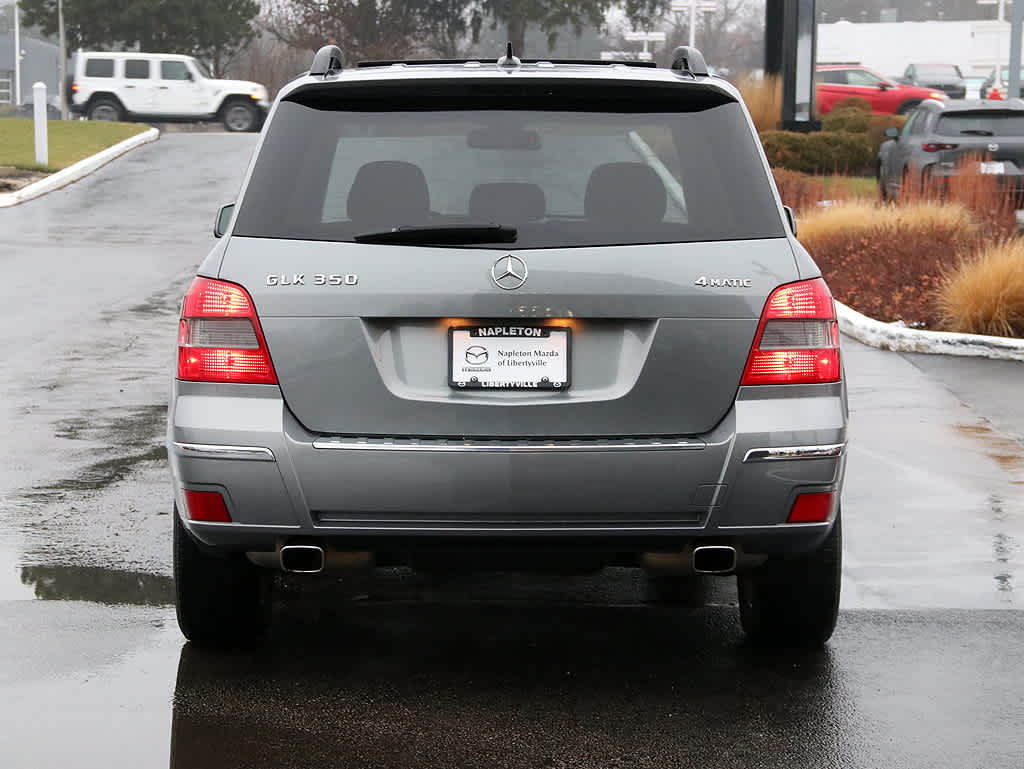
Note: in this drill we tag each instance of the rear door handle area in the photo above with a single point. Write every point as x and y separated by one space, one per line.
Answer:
163 87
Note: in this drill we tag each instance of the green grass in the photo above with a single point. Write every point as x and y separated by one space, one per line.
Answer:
69 140
853 186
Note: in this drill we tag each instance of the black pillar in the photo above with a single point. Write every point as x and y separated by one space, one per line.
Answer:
789 51
773 37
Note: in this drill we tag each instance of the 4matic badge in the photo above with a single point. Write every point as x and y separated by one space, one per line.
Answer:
319 279
722 282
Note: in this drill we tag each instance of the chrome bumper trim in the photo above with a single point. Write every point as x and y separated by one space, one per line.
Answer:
210 451
506 447
782 453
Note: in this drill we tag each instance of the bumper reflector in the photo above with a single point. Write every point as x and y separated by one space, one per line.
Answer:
206 506
813 508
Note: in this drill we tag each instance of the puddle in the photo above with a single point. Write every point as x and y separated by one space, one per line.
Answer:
98 585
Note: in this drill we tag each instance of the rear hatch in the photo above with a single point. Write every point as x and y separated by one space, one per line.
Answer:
422 254
993 137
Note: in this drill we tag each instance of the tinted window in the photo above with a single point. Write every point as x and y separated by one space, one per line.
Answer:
834 76
174 70
920 122
861 78
981 124
99 67
566 164
136 69
947 72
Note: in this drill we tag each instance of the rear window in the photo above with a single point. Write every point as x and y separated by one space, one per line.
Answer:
136 69
981 124
99 67
565 164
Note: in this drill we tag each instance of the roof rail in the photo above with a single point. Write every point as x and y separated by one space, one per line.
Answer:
687 59
327 60
587 62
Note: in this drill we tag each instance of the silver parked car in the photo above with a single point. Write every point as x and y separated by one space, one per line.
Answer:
507 314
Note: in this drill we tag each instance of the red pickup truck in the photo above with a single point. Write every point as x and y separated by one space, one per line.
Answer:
841 81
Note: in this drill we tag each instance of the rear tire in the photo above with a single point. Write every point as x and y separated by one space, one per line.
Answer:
105 109
219 600
239 117
794 602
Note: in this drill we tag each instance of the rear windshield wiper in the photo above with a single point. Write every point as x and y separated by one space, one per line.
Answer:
446 235
976 132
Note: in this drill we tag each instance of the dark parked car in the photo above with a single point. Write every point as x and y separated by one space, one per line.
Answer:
943 77
939 138
990 81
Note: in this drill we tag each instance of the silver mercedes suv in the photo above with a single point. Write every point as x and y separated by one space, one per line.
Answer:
507 314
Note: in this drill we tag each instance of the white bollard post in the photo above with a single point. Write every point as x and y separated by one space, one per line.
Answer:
39 114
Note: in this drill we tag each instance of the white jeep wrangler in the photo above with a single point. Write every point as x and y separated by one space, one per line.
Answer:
161 86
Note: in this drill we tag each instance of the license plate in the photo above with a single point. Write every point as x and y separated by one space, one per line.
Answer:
509 357
992 167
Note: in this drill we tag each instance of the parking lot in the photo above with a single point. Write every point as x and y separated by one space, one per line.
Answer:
500 670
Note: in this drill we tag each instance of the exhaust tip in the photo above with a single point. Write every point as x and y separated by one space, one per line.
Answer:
302 559
714 559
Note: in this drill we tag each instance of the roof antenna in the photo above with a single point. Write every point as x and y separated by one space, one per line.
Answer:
509 59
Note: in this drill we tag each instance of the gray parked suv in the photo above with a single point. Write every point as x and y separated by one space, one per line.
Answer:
508 314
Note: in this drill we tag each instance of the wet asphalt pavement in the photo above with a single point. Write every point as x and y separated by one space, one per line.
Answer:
399 671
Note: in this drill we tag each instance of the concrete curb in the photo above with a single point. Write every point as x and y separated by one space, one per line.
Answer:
77 170
899 338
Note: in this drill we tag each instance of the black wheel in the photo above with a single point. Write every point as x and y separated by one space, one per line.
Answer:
104 109
220 600
794 602
239 117
907 106
883 193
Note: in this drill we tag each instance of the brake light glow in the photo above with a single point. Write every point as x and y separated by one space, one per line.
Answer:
206 506
220 339
813 508
797 340
938 146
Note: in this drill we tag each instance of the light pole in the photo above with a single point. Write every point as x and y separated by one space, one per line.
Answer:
62 64
1000 16
17 56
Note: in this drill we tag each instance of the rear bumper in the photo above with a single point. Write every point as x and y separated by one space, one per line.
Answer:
281 482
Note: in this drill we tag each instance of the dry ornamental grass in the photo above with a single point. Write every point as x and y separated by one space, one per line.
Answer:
984 294
887 261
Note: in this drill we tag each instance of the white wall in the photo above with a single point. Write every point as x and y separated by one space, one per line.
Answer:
888 48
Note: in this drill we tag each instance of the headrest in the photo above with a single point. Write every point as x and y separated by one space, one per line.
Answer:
502 202
389 193
628 195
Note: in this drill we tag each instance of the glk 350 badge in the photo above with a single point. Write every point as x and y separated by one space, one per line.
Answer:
318 279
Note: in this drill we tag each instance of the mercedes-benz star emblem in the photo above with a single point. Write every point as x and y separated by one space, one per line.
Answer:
509 272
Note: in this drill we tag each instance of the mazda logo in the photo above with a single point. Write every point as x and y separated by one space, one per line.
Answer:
476 355
509 272
993 147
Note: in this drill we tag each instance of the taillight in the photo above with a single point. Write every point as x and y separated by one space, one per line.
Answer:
797 340
220 339
75 87
938 146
